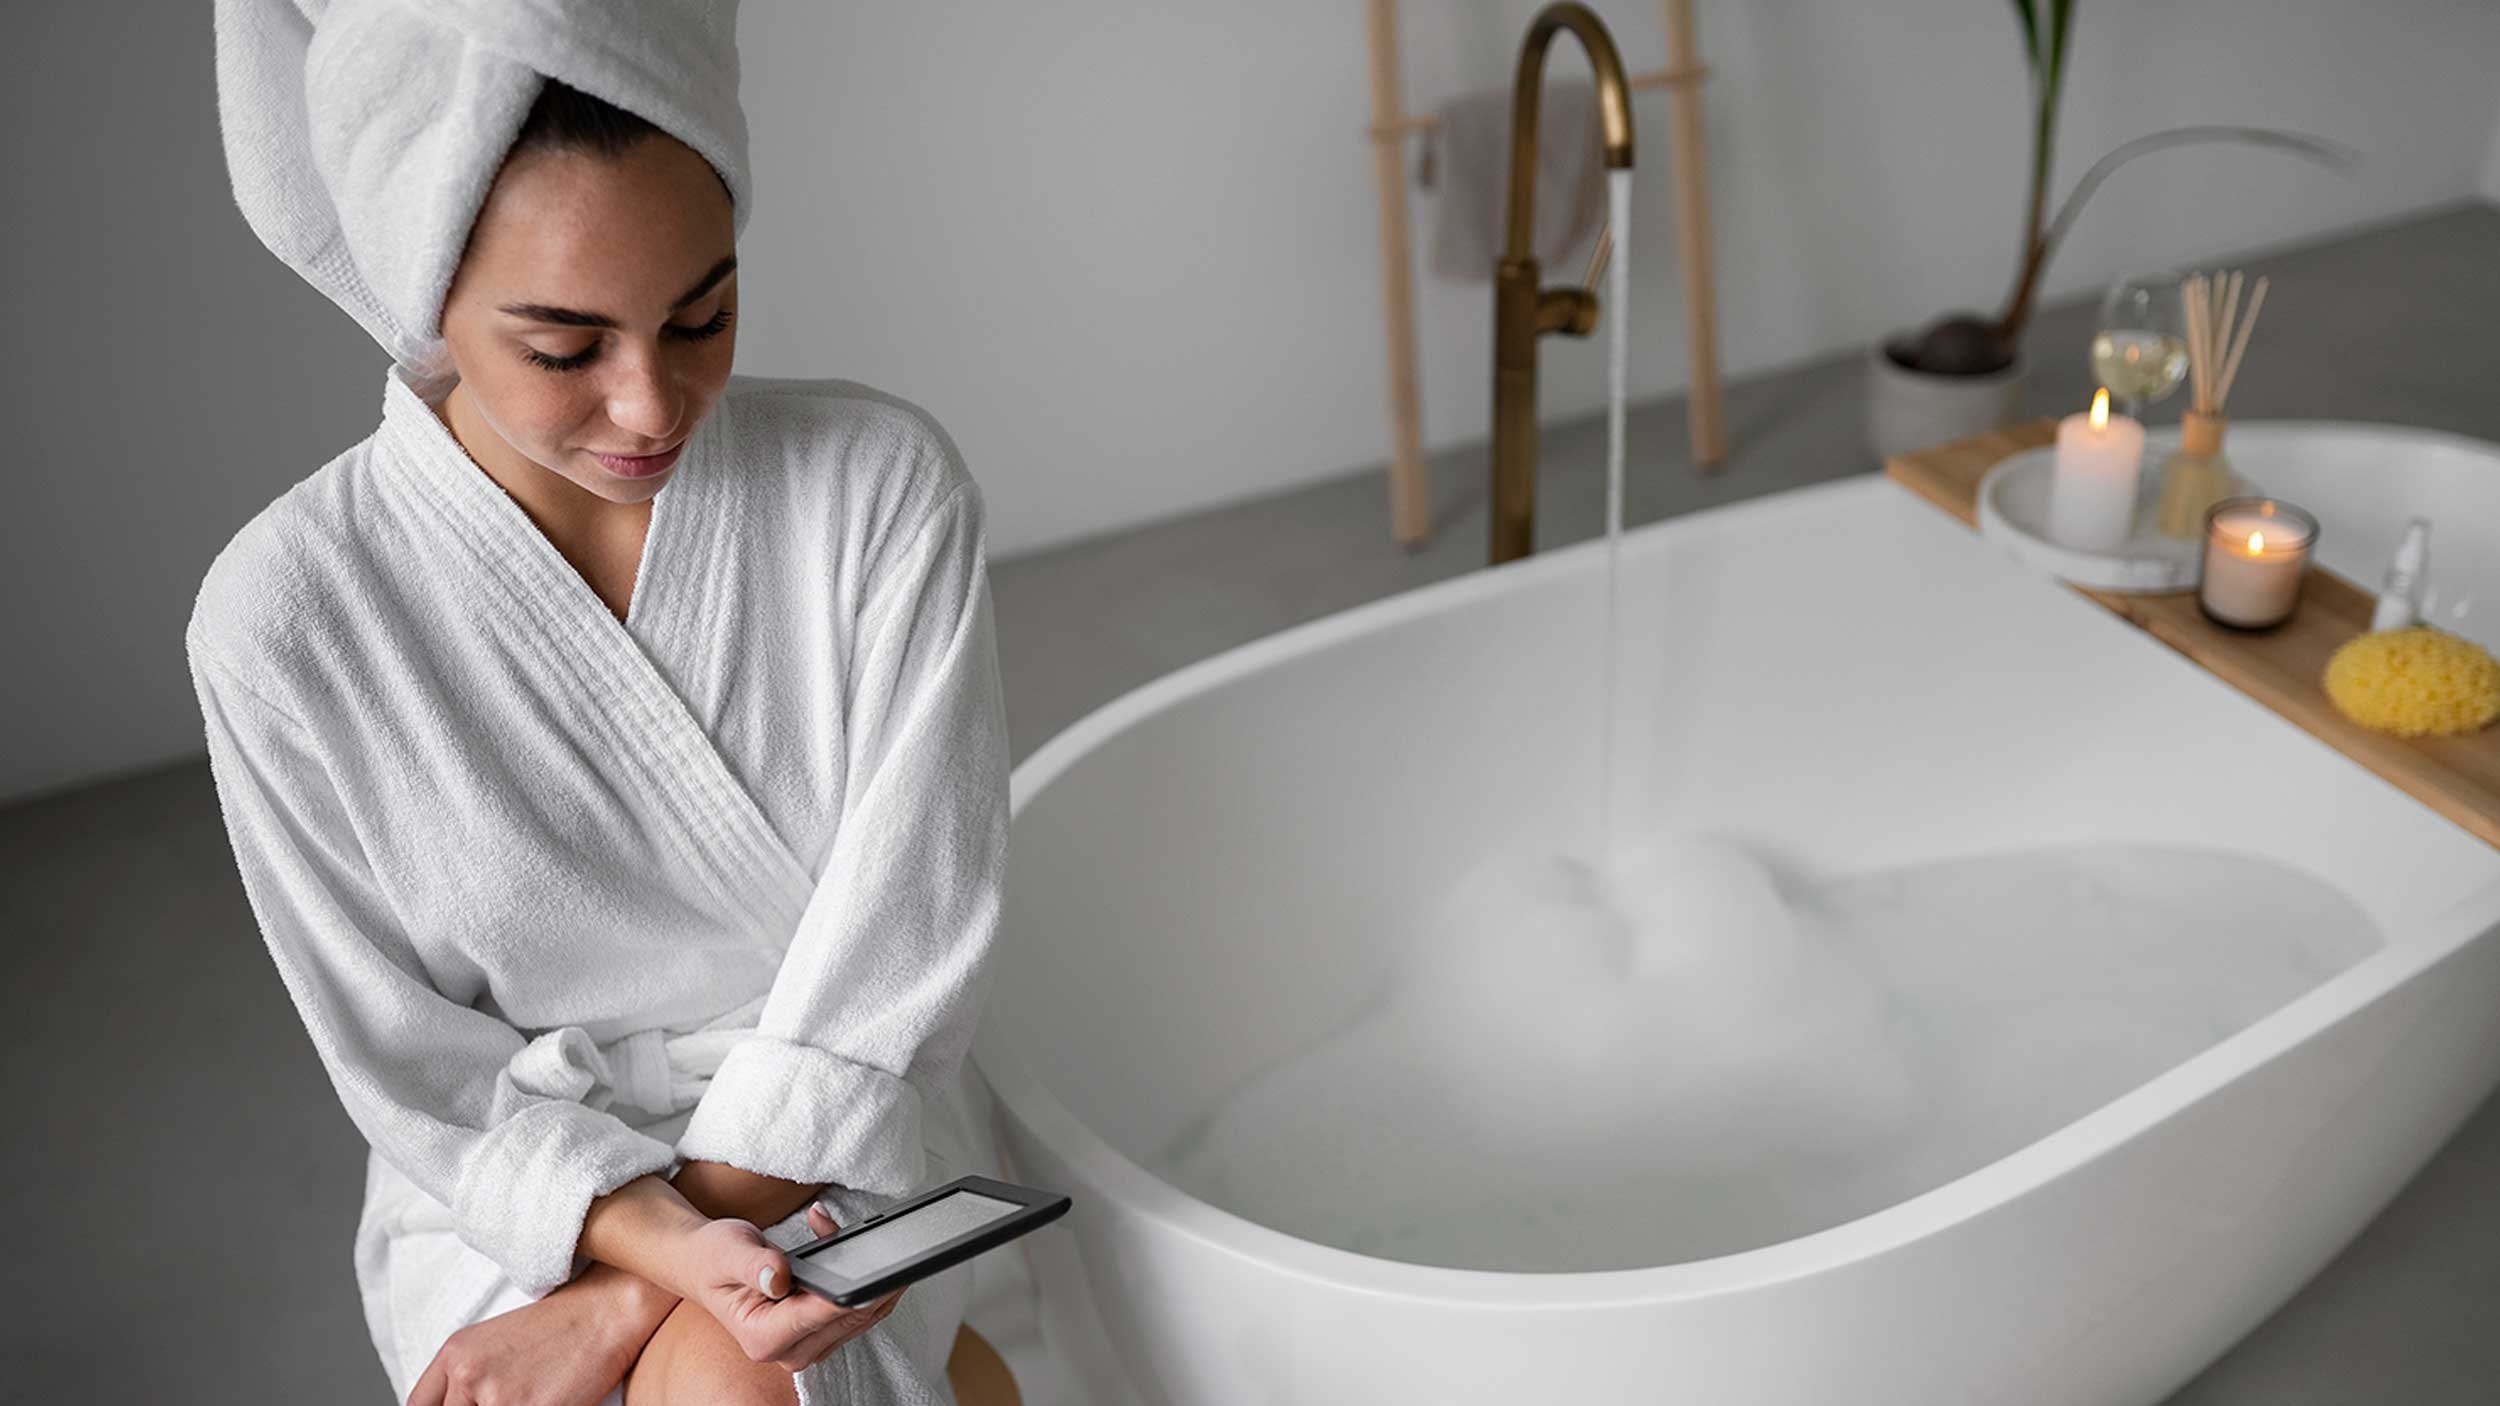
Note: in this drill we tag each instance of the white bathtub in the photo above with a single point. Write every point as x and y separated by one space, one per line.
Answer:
1206 872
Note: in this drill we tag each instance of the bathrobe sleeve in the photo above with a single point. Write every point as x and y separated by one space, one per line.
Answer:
875 1002
484 1121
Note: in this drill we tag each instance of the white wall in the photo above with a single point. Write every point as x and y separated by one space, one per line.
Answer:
1126 250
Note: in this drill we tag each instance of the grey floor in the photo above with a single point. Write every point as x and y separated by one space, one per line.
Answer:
184 1184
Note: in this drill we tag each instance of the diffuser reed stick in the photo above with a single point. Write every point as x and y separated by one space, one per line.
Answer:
2239 345
2197 477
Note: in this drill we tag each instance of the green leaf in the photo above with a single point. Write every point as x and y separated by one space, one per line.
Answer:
2031 33
2061 25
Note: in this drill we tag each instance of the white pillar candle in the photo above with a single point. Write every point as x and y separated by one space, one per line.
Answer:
2092 496
2255 552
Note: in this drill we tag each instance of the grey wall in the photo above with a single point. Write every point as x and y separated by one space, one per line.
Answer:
2491 164
1124 249
166 378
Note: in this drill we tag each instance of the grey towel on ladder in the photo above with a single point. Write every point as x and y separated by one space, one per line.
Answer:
1467 159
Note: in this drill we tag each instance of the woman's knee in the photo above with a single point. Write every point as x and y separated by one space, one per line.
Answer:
692 1361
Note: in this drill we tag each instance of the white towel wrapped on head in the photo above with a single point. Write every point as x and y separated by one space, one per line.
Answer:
362 136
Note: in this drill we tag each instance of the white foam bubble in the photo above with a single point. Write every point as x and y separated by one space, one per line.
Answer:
1583 1069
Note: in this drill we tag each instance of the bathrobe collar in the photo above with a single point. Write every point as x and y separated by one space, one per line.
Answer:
543 607
417 441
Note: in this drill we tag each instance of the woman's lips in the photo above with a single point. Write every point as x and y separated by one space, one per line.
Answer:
643 467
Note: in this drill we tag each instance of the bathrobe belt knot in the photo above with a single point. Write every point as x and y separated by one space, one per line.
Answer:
655 1070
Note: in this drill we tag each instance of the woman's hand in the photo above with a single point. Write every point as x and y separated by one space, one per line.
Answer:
744 1281
567 1349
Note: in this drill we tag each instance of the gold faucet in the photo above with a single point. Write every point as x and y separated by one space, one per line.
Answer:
1522 311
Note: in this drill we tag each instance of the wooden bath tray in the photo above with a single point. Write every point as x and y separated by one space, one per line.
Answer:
2457 776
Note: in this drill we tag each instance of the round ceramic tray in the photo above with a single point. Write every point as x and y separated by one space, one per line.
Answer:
2014 513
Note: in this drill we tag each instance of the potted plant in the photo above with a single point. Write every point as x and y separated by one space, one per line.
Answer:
1960 374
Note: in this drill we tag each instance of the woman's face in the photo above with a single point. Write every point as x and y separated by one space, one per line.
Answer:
592 314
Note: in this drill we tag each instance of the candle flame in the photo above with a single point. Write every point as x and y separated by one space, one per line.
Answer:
2256 542
2100 408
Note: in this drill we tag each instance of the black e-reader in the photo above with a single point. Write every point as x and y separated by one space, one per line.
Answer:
911 1240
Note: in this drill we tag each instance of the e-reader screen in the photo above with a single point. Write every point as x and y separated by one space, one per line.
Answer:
933 1231
888 1243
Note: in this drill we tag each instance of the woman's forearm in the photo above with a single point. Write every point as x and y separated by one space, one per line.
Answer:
718 1189
637 1228
632 1235
633 1228
635 1307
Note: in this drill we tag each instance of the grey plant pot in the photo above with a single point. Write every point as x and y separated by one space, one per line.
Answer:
1911 410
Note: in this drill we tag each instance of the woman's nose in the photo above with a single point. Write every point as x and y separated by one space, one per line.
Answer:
645 401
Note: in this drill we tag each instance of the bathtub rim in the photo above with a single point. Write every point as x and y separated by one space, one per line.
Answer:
1143 1193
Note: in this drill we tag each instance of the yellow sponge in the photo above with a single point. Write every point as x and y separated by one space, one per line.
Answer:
2414 682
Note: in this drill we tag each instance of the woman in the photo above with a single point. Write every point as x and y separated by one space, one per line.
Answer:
611 746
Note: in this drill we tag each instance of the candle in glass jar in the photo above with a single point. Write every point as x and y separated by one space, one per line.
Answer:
2255 552
2092 495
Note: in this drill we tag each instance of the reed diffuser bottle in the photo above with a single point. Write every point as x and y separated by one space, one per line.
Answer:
2198 475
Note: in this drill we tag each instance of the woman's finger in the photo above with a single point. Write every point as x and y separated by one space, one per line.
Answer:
856 1321
778 1313
820 1219
834 1335
778 1329
767 1329
817 1348
431 1383
840 1326
771 1276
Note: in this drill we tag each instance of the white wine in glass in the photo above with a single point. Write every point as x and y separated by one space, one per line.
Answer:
2139 366
2140 349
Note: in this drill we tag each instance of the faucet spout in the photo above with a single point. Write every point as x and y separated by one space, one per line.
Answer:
1522 309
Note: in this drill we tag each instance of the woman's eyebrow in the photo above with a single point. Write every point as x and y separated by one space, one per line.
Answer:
574 317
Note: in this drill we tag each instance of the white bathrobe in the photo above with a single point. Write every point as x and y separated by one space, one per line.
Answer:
564 900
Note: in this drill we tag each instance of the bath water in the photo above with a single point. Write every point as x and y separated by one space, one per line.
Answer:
1677 1055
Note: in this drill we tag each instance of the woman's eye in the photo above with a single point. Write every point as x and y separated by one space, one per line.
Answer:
575 362
588 354
713 328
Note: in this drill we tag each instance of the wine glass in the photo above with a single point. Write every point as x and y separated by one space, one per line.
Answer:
2139 351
